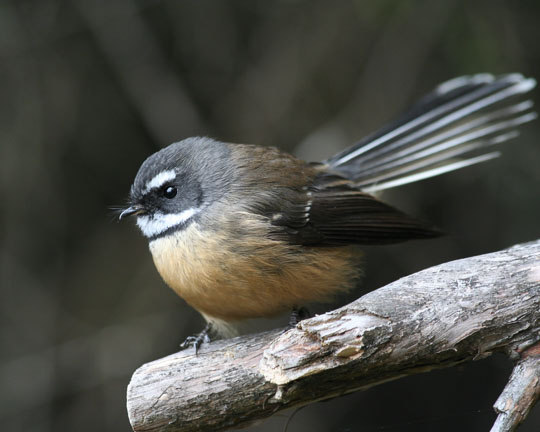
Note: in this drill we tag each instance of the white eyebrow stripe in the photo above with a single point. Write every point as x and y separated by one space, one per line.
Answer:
153 225
159 180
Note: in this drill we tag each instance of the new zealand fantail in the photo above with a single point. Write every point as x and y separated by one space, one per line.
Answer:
242 231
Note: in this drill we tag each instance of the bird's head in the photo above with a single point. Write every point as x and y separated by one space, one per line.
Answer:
174 185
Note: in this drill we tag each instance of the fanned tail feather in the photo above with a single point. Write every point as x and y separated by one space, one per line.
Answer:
450 128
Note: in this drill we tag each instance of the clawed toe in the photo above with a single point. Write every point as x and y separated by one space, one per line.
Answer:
297 315
197 340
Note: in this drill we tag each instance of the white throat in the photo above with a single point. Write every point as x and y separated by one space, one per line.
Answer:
158 223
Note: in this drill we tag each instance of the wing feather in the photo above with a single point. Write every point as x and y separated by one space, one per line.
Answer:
330 215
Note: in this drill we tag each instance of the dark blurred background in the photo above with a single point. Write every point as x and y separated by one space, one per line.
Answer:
89 89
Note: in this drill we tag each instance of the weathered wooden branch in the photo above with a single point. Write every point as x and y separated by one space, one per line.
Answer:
455 312
521 392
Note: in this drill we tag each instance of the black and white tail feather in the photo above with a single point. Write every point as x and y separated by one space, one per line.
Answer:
451 128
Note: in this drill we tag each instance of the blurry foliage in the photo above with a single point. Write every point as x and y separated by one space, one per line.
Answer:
91 88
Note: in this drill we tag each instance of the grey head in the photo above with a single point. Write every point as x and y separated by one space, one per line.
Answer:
174 185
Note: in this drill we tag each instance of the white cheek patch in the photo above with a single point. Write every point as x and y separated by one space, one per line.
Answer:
153 225
159 180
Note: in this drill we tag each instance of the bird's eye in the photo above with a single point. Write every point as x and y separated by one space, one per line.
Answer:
169 192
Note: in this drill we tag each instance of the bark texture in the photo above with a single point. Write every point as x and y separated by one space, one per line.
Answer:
455 312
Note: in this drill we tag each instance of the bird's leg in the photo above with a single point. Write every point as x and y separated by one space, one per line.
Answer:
197 340
297 315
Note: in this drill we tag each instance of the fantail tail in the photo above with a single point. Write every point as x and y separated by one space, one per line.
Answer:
450 128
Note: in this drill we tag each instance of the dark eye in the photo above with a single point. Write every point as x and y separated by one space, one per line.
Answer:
169 192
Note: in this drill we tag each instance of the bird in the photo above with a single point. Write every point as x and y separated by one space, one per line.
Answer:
242 231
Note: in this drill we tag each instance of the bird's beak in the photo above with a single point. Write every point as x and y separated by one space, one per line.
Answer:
132 211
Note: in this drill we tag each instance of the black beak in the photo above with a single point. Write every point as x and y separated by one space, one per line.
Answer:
132 211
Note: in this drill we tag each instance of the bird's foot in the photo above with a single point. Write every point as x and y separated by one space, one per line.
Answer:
297 315
197 340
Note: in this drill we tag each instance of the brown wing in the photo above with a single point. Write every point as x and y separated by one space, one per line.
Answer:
333 212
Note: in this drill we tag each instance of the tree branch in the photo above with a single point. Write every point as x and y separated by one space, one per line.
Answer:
455 312
521 392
